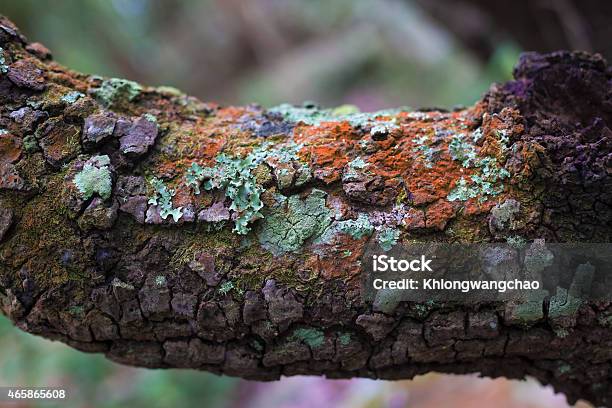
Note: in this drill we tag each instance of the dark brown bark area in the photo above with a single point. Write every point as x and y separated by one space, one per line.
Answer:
108 274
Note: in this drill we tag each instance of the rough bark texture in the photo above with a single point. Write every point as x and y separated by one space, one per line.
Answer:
247 263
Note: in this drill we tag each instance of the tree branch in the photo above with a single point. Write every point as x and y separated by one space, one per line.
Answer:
165 232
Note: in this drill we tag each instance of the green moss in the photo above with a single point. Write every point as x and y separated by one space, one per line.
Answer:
314 338
286 227
95 178
115 91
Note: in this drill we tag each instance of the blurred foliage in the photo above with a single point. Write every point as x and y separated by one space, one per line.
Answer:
371 53
91 380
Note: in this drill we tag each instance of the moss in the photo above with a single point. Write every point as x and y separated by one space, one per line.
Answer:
95 178
115 91
45 229
30 144
286 228
76 310
387 238
314 338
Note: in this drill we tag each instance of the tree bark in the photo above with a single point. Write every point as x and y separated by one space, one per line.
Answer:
106 243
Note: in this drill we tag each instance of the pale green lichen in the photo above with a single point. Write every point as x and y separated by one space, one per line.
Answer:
344 338
503 214
357 163
287 227
387 238
3 67
226 287
358 228
424 151
160 280
483 185
72 97
234 176
461 150
113 91
163 199
516 242
312 115
95 178
314 338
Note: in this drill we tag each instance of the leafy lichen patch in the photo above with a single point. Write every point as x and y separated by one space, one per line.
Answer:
114 91
288 227
95 178
162 198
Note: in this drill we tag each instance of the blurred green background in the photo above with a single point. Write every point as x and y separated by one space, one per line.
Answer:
371 53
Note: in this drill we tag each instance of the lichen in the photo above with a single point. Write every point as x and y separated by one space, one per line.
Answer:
504 213
358 228
484 184
516 242
310 114
163 199
287 227
344 338
314 338
235 177
95 178
461 150
160 280
3 67
387 238
226 287
72 97
113 91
